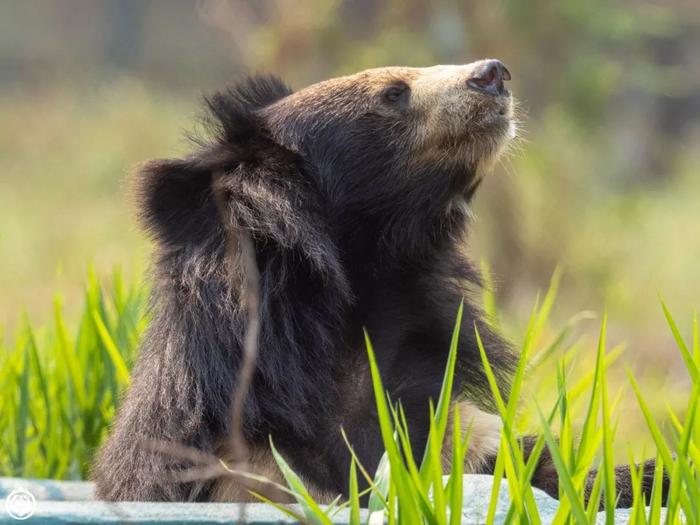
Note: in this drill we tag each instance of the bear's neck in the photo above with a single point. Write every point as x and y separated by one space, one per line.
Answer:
383 247
406 217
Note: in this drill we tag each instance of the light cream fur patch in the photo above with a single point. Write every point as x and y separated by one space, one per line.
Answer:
231 488
484 440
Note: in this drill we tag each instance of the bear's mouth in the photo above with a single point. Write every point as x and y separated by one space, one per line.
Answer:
471 143
478 140
502 109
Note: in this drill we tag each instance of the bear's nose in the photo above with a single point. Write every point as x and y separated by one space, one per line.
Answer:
488 77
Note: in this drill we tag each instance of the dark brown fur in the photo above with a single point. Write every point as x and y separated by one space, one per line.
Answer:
356 205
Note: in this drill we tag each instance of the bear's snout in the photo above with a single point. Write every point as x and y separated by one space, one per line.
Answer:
489 77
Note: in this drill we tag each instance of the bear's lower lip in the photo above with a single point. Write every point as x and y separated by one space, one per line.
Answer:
502 117
497 121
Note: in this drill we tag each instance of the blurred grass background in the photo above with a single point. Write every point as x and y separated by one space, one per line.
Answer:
606 182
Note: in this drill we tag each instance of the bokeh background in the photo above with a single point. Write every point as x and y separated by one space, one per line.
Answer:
605 182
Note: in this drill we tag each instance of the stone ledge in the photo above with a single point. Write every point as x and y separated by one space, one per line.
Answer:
63 502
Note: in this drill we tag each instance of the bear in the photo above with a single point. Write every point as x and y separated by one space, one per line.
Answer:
354 196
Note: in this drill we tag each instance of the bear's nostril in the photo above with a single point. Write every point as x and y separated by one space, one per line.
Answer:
489 77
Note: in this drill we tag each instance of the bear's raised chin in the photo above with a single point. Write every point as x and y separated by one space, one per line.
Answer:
497 149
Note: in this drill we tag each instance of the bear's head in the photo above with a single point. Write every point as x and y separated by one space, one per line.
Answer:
381 160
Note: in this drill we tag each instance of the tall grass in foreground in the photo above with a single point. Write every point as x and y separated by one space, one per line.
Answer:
406 491
59 389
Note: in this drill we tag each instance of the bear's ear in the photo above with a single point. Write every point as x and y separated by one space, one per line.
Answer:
175 196
190 202
242 179
175 201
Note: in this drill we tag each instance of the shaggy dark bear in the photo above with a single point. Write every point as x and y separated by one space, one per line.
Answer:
355 194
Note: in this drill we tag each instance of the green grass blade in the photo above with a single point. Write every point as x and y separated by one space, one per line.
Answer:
655 501
455 486
378 495
282 508
439 422
688 357
609 488
117 360
68 357
651 423
382 482
498 472
594 497
39 374
354 497
565 480
312 511
22 418
407 498
696 339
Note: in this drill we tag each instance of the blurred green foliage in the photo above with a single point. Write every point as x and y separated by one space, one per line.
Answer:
604 182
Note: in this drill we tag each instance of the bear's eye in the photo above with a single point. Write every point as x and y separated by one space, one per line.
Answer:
395 92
